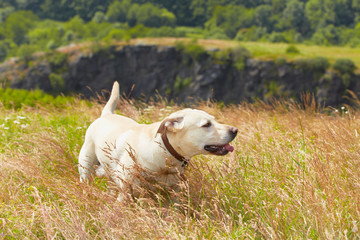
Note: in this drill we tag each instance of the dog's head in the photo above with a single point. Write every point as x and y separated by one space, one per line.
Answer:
192 132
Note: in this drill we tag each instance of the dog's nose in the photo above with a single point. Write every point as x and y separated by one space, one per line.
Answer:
233 131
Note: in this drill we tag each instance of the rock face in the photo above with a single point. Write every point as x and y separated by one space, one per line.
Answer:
145 72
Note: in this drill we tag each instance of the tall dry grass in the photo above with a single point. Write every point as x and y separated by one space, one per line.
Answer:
294 175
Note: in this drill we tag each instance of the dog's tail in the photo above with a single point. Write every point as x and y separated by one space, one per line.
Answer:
114 98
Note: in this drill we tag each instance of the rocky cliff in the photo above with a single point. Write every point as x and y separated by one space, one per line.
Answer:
145 71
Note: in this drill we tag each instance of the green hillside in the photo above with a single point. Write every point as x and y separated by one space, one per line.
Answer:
28 26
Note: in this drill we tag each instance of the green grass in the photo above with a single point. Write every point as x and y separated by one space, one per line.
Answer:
267 51
294 174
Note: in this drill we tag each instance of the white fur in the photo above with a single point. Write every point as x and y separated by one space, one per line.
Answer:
111 140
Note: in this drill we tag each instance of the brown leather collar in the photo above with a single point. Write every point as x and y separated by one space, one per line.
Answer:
170 148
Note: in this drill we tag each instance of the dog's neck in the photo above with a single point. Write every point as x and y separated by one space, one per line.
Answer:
172 151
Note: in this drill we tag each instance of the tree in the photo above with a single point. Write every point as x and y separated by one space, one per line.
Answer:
278 5
5 12
18 24
326 36
262 16
231 18
77 27
344 13
356 8
324 12
152 16
199 11
118 11
86 9
42 36
315 12
181 9
294 16
5 47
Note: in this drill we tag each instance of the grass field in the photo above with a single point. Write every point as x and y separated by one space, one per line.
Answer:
266 50
294 174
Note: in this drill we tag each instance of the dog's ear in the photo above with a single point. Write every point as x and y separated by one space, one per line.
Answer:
171 124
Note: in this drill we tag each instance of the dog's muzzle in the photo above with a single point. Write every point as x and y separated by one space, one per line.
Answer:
223 149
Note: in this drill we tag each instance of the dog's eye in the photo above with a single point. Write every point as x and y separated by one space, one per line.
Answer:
206 125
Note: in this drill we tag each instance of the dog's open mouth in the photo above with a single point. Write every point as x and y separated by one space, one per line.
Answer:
219 149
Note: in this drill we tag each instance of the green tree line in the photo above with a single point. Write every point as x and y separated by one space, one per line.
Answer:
33 25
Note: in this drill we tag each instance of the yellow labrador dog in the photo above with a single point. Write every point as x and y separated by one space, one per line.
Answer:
123 148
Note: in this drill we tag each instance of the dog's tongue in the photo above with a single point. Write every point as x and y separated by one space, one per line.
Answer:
229 147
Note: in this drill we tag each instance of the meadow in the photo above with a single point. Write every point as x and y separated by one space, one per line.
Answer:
267 50
294 174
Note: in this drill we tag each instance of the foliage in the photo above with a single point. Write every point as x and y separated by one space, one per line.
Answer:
194 50
18 24
57 59
118 11
239 55
57 82
344 65
48 24
146 14
292 49
317 64
181 83
118 34
25 52
228 19
166 31
320 64
277 37
319 21
251 34
19 98
294 16
5 48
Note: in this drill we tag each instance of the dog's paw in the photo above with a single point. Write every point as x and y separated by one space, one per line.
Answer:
100 171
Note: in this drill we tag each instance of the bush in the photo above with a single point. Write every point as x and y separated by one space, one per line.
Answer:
181 83
292 49
18 24
152 16
98 31
57 59
317 64
326 36
320 63
239 56
5 47
41 37
25 52
251 34
118 34
344 65
166 31
117 11
194 50
16 98
221 56
57 82
215 33
51 45
77 27
99 17
280 61
230 19
277 37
